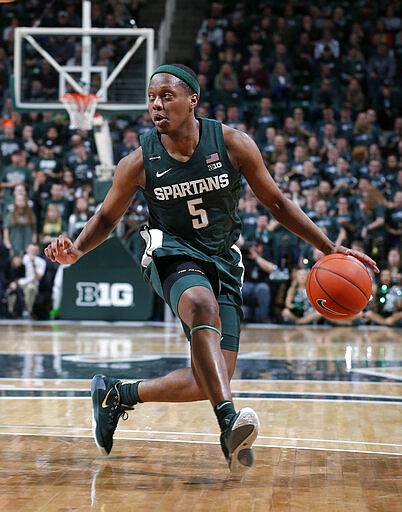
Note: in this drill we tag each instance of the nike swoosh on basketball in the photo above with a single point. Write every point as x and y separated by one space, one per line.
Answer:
104 402
321 303
159 174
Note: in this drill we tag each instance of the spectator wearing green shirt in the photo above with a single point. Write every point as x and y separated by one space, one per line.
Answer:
13 174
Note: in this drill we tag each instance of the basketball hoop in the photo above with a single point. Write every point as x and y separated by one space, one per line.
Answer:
81 108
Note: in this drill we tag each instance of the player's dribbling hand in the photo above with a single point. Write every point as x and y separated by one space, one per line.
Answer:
62 250
366 260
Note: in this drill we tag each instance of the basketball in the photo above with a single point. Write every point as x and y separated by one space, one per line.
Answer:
339 286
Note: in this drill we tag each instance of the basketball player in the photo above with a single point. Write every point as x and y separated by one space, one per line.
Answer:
190 171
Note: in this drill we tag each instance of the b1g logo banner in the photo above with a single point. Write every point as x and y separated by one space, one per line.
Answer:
92 294
106 284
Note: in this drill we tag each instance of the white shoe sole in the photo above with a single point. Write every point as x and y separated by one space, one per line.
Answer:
244 432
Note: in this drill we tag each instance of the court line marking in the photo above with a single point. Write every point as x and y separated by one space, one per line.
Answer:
256 445
271 399
383 374
62 379
389 398
200 434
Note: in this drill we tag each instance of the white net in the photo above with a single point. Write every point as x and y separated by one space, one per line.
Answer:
81 108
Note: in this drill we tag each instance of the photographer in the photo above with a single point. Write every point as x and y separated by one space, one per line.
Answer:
256 290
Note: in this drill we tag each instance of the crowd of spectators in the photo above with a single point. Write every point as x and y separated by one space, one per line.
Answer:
317 85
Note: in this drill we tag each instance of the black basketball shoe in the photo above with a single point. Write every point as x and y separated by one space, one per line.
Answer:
107 410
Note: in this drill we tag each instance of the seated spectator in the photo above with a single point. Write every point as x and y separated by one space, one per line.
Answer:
78 218
13 174
393 222
291 133
328 224
328 60
280 175
387 103
53 225
283 31
210 31
31 147
264 118
346 218
303 53
392 22
225 71
353 66
280 54
381 66
14 295
254 79
35 268
329 168
230 94
256 291
9 142
302 125
325 193
294 192
360 161
280 152
372 211
48 162
57 198
81 161
343 182
54 133
354 96
325 94
380 35
68 184
314 151
345 124
280 83
4 262
299 157
234 116
309 177
298 309
255 44
394 265
375 175
267 143
129 143
311 196
231 50
19 226
248 212
327 39
259 231
363 133
386 307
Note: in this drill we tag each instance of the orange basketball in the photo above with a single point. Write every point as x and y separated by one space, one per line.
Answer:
339 286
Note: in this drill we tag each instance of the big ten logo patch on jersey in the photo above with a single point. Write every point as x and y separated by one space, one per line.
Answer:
213 161
118 295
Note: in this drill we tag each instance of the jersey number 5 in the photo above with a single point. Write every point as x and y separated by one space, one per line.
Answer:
200 219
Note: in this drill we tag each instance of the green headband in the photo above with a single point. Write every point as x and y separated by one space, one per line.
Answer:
179 73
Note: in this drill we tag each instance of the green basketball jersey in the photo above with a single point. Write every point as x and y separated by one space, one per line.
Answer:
195 201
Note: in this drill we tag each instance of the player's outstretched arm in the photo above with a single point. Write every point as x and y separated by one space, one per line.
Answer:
128 176
246 156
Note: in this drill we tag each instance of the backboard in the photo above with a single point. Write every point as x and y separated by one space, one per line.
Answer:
113 63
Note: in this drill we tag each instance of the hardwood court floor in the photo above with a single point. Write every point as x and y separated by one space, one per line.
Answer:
329 402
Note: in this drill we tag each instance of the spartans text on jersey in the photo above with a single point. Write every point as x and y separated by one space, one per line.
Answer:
192 188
